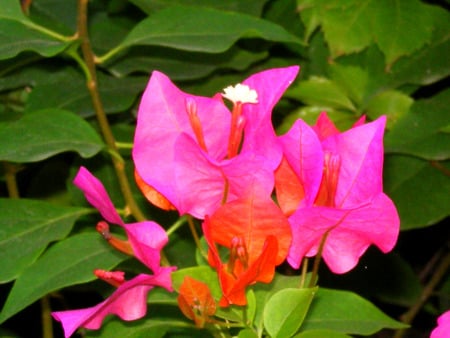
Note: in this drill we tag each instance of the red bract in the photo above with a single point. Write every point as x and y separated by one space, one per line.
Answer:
196 302
195 153
258 236
146 240
337 192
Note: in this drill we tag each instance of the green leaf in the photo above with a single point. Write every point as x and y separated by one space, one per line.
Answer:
419 190
419 132
134 329
352 79
321 334
181 65
285 311
401 27
247 333
28 226
201 29
322 92
346 312
392 103
71 94
18 34
41 134
69 262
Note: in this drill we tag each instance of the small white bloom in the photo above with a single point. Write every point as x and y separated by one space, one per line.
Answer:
240 93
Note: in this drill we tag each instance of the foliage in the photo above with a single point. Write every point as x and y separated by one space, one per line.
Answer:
70 86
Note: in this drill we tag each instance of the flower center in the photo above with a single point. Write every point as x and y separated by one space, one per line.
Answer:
328 187
238 256
119 244
115 278
239 95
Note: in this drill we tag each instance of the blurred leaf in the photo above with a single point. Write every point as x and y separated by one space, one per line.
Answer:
69 262
28 226
71 94
346 312
285 311
247 333
419 132
147 327
352 79
322 92
180 65
252 7
392 103
400 27
429 64
321 334
55 14
18 34
200 29
418 189
41 134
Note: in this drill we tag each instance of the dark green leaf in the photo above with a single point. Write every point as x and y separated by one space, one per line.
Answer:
135 329
285 311
321 334
18 34
346 312
27 227
201 30
419 190
419 132
68 262
41 134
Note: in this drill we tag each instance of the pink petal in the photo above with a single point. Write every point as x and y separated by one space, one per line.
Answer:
443 328
147 239
129 302
324 127
201 180
95 193
351 232
303 151
162 117
361 153
260 137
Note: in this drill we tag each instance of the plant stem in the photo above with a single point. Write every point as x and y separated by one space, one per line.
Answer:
317 260
10 179
439 273
304 272
119 164
194 234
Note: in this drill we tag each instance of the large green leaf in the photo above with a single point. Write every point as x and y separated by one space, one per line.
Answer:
41 134
346 312
137 329
419 190
201 29
18 34
68 262
71 93
27 227
421 132
321 334
285 311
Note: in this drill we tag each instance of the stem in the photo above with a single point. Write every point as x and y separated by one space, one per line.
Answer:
176 225
10 178
439 273
304 272
88 57
317 260
47 328
194 234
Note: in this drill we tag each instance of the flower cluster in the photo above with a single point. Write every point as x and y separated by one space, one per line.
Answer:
262 198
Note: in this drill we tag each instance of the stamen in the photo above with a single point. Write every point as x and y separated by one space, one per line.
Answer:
115 278
240 94
191 108
238 251
328 187
237 131
119 244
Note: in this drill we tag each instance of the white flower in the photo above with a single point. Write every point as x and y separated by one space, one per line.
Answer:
240 93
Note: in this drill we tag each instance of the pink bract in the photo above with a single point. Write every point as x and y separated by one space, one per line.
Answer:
443 328
129 302
169 158
341 176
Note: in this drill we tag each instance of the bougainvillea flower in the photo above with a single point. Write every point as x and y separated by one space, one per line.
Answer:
146 238
192 153
195 301
331 185
443 328
258 237
129 302
145 241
